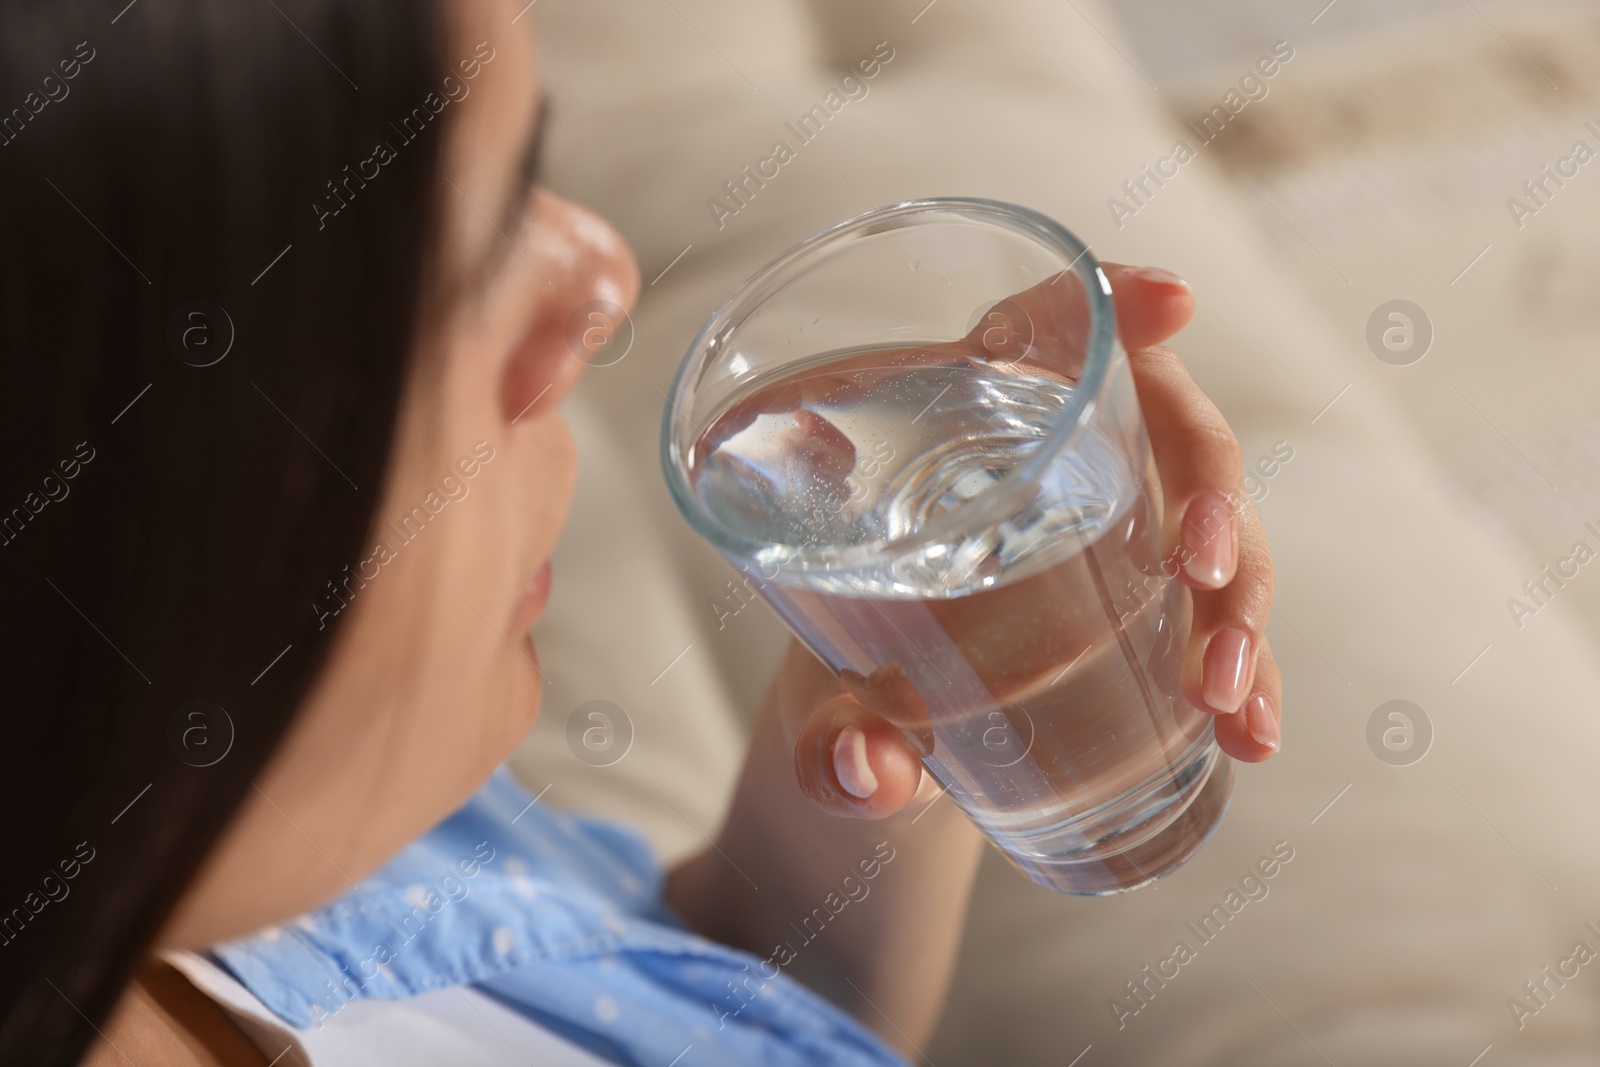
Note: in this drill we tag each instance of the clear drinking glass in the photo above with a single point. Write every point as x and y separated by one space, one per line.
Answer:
917 435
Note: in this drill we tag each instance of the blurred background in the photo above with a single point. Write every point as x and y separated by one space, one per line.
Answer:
1384 164
1435 476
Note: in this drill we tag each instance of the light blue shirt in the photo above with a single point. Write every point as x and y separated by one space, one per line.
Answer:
560 918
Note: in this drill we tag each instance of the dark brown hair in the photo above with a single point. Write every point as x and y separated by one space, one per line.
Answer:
200 370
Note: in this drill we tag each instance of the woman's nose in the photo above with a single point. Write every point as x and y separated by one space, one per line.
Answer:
589 261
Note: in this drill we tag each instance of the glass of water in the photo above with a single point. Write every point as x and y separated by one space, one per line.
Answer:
917 435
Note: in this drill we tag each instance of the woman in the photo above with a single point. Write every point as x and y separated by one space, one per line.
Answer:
277 288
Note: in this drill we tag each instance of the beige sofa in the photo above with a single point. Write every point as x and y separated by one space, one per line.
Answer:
1419 899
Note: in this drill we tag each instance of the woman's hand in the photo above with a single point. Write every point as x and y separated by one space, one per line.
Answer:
891 956
851 761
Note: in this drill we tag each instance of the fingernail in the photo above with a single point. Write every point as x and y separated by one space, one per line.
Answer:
1226 667
850 763
1208 541
1159 276
1260 721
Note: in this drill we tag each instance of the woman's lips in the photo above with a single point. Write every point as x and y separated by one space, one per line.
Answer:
535 595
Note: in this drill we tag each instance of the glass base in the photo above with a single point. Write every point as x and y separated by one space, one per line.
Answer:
1154 845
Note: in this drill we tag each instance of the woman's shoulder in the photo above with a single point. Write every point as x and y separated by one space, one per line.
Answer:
558 917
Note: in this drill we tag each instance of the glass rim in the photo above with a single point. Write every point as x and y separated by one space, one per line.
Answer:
986 507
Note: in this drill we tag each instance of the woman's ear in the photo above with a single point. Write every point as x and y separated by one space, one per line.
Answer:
583 283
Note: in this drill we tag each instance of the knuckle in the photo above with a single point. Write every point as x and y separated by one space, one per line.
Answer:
1246 601
1255 560
1157 365
1158 359
1252 598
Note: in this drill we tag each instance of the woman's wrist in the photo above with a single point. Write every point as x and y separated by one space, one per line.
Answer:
866 911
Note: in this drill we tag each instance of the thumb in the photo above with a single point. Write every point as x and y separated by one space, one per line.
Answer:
853 763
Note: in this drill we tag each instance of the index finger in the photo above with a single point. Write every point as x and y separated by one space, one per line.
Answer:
1152 304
